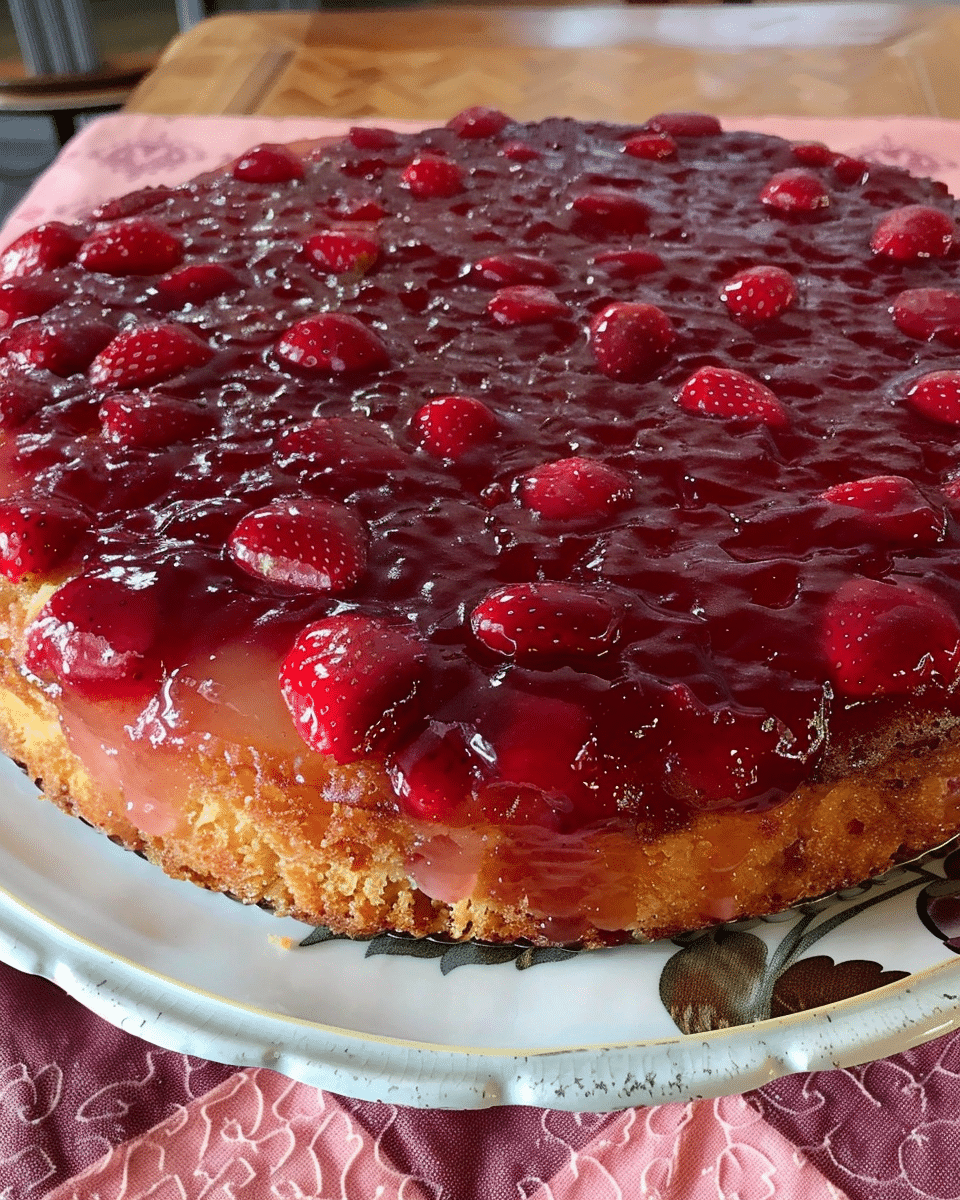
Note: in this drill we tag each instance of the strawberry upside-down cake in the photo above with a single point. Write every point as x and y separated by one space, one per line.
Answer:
508 531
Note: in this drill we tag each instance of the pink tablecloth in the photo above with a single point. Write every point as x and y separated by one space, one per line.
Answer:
89 1111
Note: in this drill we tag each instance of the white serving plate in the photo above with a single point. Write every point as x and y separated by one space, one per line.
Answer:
196 973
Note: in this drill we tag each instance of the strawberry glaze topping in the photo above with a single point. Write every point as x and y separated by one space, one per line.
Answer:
575 474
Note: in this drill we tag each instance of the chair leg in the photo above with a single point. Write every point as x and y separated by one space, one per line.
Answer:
64 124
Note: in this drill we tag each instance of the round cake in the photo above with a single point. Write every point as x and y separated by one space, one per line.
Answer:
506 531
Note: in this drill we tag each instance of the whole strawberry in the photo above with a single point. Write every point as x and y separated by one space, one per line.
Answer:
42 249
342 250
348 681
61 347
630 341
578 488
451 426
528 620
525 304
28 297
928 314
310 544
430 177
759 293
890 505
35 536
146 422
148 354
795 191
343 450
915 231
193 284
268 163
937 395
478 122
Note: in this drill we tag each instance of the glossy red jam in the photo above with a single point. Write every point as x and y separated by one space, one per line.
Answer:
566 473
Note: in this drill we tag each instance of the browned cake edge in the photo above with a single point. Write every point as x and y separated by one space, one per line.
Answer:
251 828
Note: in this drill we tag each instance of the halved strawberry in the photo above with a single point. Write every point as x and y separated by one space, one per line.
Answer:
733 395
451 426
795 191
347 450
887 638
342 250
630 341
891 505
652 146
430 176
134 246
685 124
42 249
937 395
928 314
528 620
915 231
28 297
268 163
348 681
193 284
519 152
612 210
332 343
148 354
96 633
759 293
132 204
513 266
478 122
627 264
35 536
525 304
369 137
61 347
310 544
570 489
146 422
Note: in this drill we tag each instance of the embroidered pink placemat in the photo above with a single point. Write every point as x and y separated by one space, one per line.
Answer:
90 1112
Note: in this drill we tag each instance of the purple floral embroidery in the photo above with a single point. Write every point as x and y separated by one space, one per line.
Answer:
142 156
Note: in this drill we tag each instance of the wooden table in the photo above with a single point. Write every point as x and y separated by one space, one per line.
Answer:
833 59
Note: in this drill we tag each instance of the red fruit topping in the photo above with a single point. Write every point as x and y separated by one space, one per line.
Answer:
332 343
96 633
519 152
928 314
685 124
478 122
629 341
451 426
369 137
341 250
527 620
64 349
891 505
136 246
35 537
916 231
572 488
537 781
310 544
812 154
148 354
627 264
19 400
512 267
195 284
651 146
719 392
937 396
612 210
526 305
28 298
345 680
435 773
850 170
150 422
42 249
269 163
719 756
359 208
431 177
889 639
348 449
759 293
795 191
133 203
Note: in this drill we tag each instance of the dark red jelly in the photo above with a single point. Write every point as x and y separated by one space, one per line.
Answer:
548 498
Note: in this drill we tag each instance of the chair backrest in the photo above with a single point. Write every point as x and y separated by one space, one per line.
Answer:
56 37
